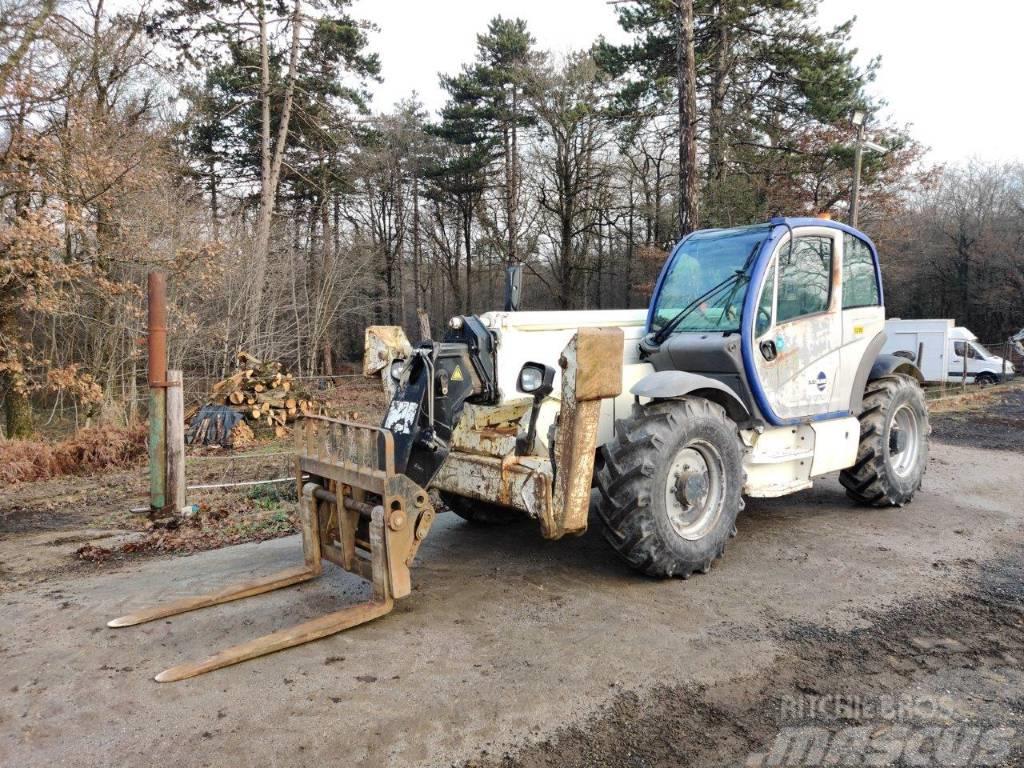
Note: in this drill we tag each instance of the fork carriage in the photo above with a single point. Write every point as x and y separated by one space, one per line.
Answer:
355 512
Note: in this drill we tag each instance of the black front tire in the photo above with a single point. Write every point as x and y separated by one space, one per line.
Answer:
986 379
643 507
886 474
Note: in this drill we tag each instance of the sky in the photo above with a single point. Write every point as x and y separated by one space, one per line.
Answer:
950 70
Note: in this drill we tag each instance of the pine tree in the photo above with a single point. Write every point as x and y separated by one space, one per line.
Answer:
487 108
763 70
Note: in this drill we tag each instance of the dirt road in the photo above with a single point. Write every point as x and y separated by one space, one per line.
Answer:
513 651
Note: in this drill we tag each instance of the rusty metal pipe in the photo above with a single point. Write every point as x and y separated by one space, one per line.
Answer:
157 341
364 509
156 344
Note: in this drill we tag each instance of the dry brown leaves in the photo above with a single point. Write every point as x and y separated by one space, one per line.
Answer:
89 450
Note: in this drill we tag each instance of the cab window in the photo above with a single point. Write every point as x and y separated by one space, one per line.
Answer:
805 277
860 284
960 347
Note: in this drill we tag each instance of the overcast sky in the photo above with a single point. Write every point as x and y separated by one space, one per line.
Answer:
952 70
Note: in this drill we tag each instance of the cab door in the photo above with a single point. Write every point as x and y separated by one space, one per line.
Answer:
863 315
798 356
975 362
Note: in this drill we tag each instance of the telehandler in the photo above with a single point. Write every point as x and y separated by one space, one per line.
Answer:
755 369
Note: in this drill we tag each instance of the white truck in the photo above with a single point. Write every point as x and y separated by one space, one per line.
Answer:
939 347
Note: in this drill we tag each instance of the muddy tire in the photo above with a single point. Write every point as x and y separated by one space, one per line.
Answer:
893 452
479 512
670 487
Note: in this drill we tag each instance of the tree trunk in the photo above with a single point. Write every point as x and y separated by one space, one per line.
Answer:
28 37
416 289
567 274
271 163
686 74
467 231
630 249
17 408
214 210
17 411
716 113
512 185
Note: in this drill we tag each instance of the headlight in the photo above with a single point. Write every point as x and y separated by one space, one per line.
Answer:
536 379
531 379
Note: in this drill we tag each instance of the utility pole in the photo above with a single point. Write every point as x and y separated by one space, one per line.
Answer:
859 118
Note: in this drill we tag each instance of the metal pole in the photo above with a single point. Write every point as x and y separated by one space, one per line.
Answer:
858 155
963 378
157 354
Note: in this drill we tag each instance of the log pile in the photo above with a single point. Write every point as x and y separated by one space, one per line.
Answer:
265 394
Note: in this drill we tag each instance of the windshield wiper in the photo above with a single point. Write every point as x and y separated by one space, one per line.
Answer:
663 333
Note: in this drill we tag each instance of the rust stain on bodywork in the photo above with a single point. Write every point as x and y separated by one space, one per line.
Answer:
483 463
489 430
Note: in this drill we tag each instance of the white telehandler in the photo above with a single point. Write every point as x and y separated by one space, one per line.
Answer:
755 369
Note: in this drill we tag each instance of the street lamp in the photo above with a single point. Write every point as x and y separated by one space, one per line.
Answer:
858 120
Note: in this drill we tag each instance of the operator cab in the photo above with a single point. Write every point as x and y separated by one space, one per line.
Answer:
781 313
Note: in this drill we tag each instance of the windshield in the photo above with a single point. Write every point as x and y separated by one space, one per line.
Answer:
705 260
980 349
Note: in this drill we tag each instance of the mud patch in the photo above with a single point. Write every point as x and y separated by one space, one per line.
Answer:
949 671
995 422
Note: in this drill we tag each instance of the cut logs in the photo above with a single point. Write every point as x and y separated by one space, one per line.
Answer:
265 394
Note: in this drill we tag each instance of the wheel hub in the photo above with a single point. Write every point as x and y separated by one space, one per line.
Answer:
695 489
897 440
904 440
692 486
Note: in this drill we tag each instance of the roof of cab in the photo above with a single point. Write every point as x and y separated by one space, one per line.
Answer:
813 221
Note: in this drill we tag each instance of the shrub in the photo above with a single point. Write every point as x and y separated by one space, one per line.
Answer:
88 450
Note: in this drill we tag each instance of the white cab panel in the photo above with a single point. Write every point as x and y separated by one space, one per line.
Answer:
778 460
835 444
540 337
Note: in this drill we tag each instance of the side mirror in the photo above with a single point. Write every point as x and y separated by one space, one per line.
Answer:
513 287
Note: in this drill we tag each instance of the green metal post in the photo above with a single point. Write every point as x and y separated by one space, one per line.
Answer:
157 348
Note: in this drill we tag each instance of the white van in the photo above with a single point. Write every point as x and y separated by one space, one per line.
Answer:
938 347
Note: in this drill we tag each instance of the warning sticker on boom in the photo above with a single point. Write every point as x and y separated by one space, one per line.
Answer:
457 373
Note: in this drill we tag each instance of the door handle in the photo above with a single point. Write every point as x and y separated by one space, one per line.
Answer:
768 350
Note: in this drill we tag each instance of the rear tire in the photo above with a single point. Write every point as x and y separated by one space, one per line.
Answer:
670 486
890 466
479 512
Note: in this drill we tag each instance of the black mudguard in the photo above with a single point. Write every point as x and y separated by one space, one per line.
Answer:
875 365
668 385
